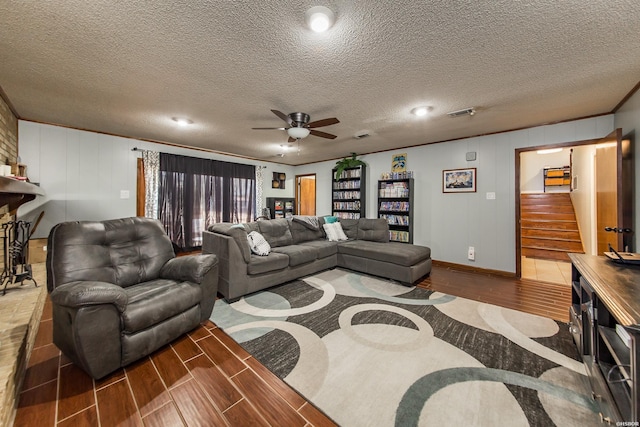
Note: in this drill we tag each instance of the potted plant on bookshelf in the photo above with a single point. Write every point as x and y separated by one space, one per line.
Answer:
346 163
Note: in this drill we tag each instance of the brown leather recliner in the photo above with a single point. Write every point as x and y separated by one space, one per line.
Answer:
119 293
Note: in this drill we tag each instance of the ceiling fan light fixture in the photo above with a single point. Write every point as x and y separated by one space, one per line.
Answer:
298 132
320 18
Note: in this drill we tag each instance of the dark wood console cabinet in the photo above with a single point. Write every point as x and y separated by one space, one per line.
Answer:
606 296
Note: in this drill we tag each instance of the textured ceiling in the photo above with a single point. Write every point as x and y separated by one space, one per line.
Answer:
127 68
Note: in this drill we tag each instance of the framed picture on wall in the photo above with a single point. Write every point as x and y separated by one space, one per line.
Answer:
459 180
399 162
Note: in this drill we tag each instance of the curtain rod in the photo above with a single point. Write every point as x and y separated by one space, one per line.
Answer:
138 149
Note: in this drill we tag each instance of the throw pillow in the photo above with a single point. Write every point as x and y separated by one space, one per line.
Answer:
334 232
258 244
330 219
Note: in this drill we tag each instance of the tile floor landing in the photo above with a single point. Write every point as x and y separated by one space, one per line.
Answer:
546 270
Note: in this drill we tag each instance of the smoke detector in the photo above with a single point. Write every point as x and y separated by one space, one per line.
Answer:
464 112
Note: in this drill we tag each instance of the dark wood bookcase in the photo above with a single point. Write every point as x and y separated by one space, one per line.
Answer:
348 197
395 204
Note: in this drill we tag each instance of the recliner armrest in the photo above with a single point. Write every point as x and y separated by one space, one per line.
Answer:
83 293
190 268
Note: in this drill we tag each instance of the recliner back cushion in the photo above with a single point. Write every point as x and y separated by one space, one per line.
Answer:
276 232
121 251
374 230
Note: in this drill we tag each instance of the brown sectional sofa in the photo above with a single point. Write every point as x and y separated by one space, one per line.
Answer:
298 249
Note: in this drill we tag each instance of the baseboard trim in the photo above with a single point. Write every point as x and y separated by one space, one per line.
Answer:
463 267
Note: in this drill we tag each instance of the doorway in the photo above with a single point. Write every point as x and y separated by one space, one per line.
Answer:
305 197
583 191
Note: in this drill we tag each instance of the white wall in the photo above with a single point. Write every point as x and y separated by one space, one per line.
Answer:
628 118
531 170
583 195
450 223
83 173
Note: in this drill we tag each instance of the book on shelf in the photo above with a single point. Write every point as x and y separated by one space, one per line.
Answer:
288 205
278 204
399 236
394 189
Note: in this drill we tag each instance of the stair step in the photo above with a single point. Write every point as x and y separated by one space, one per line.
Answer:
545 254
552 244
548 216
551 233
549 225
568 208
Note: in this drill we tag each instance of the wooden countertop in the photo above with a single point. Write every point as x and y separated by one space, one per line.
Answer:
617 285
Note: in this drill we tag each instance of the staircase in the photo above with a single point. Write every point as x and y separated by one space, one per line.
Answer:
548 225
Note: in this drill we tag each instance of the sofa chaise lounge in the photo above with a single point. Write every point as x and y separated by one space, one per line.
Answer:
299 248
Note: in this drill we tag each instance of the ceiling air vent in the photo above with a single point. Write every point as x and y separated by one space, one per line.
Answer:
464 112
362 134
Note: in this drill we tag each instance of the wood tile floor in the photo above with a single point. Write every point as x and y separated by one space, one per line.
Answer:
205 379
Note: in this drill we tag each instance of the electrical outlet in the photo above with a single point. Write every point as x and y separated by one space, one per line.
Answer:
471 255
491 195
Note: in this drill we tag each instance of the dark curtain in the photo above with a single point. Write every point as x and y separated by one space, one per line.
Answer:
195 193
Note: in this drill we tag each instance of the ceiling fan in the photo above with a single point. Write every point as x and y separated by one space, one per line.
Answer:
300 127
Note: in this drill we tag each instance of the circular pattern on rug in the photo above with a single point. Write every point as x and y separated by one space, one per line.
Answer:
425 332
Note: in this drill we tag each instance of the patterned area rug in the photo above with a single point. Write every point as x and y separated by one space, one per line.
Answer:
370 352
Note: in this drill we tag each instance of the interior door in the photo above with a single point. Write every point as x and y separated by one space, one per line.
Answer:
306 194
614 204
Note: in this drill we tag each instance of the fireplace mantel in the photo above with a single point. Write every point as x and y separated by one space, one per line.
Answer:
14 193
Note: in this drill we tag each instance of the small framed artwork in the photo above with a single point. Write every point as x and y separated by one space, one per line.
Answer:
459 180
399 162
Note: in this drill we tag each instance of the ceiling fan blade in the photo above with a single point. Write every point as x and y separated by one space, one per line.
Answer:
322 134
269 128
283 116
291 139
323 122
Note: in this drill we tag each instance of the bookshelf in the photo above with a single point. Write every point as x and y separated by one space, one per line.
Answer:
348 198
281 207
395 204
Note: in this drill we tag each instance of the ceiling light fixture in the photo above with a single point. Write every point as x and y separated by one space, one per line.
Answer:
421 111
549 151
298 132
182 122
320 18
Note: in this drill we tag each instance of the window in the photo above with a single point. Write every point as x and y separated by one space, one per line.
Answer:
195 193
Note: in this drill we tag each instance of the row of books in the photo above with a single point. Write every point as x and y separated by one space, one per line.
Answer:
287 205
340 185
347 215
287 215
399 236
396 219
394 206
352 206
396 175
350 173
346 195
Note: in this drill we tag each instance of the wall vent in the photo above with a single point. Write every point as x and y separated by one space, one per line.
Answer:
464 112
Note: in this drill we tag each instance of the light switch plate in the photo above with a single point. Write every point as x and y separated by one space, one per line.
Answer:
124 194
